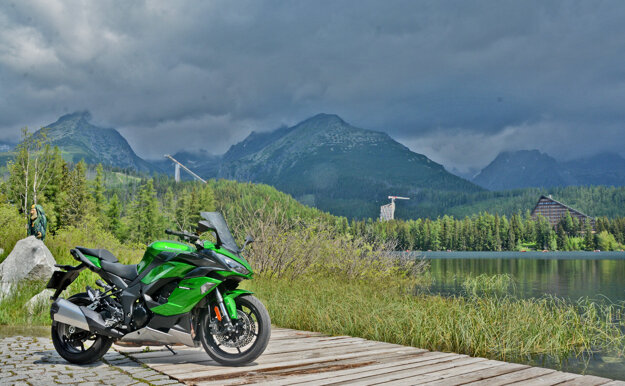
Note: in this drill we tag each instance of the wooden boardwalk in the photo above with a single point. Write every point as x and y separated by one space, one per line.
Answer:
300 357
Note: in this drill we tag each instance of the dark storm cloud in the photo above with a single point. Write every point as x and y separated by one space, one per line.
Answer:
458 81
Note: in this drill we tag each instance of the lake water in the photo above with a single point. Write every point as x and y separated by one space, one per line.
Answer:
569 275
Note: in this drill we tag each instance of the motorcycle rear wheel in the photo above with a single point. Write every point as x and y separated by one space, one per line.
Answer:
76 345
248 342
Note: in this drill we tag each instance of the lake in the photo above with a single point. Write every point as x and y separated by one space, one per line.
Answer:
569 275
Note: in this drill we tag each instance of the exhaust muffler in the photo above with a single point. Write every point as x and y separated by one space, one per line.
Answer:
64 311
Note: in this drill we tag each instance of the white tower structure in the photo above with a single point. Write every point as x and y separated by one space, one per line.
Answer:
177 170
387 212
177 173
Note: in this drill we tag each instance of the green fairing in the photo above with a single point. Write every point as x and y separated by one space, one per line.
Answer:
169 269
182 299
94 260
161 246
229 302
225 252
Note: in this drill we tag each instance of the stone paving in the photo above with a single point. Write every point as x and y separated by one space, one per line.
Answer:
33 361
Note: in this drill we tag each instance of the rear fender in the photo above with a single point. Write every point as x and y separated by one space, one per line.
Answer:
60 280
229 302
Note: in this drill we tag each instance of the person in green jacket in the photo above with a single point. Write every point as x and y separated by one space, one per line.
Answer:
38 223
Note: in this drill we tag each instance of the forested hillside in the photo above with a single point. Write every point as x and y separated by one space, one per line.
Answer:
137 209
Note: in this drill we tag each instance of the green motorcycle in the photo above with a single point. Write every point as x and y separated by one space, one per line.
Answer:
177 294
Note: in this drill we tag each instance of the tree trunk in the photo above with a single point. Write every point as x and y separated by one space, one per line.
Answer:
35 181
26 165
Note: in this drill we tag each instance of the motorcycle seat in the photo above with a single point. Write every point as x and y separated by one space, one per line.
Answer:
124 271
101 254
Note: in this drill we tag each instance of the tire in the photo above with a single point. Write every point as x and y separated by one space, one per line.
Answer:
260 328
68 348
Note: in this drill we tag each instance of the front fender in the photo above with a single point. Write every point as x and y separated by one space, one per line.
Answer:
229 302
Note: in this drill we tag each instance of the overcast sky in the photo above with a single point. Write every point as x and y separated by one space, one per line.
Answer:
458 81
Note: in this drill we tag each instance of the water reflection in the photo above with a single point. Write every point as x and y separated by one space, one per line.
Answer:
563 275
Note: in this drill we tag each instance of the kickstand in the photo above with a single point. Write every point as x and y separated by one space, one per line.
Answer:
170 349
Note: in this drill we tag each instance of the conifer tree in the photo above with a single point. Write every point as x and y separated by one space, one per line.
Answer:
589 238
98 191
146 222
113 214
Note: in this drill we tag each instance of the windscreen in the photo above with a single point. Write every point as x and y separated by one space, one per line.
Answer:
216 222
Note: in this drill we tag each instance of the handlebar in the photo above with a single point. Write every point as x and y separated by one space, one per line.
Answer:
183 234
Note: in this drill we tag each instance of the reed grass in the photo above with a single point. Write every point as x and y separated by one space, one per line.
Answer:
490 285
496 327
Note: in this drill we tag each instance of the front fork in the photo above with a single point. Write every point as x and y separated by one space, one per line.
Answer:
221 313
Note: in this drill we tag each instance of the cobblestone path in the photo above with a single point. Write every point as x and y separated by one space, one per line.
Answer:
33 361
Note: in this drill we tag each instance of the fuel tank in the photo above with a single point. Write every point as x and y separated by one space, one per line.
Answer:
161 246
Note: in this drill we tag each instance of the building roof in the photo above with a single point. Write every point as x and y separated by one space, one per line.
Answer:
572 210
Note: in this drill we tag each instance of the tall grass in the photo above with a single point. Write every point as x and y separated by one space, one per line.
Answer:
489 285
503 328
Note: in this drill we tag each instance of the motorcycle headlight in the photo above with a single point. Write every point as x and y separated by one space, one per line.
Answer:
236 266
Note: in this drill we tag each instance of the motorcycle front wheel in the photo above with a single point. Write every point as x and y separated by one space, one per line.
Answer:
76 345
250 337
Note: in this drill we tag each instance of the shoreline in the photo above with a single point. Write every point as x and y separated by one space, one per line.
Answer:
535 255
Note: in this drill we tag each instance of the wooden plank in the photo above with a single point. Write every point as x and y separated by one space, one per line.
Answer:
410 371
224 372
264 359
516 376
198 355
272 350
292 339
273 346
587 380
479 375
304 357
324 351
327 371
443 374
171 368
554 378
427 357
276 361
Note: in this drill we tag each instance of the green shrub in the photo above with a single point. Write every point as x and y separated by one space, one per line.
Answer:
12 228
606 242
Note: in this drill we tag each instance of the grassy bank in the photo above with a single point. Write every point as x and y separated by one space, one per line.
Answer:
497 327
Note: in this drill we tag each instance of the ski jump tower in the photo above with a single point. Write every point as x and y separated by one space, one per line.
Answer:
387 212
178 165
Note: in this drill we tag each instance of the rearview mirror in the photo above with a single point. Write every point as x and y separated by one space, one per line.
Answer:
248 240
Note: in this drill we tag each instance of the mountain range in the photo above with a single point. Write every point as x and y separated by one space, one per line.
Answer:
531 168
327 163
79 139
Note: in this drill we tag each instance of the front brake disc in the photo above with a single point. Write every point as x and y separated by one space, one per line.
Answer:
242 336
